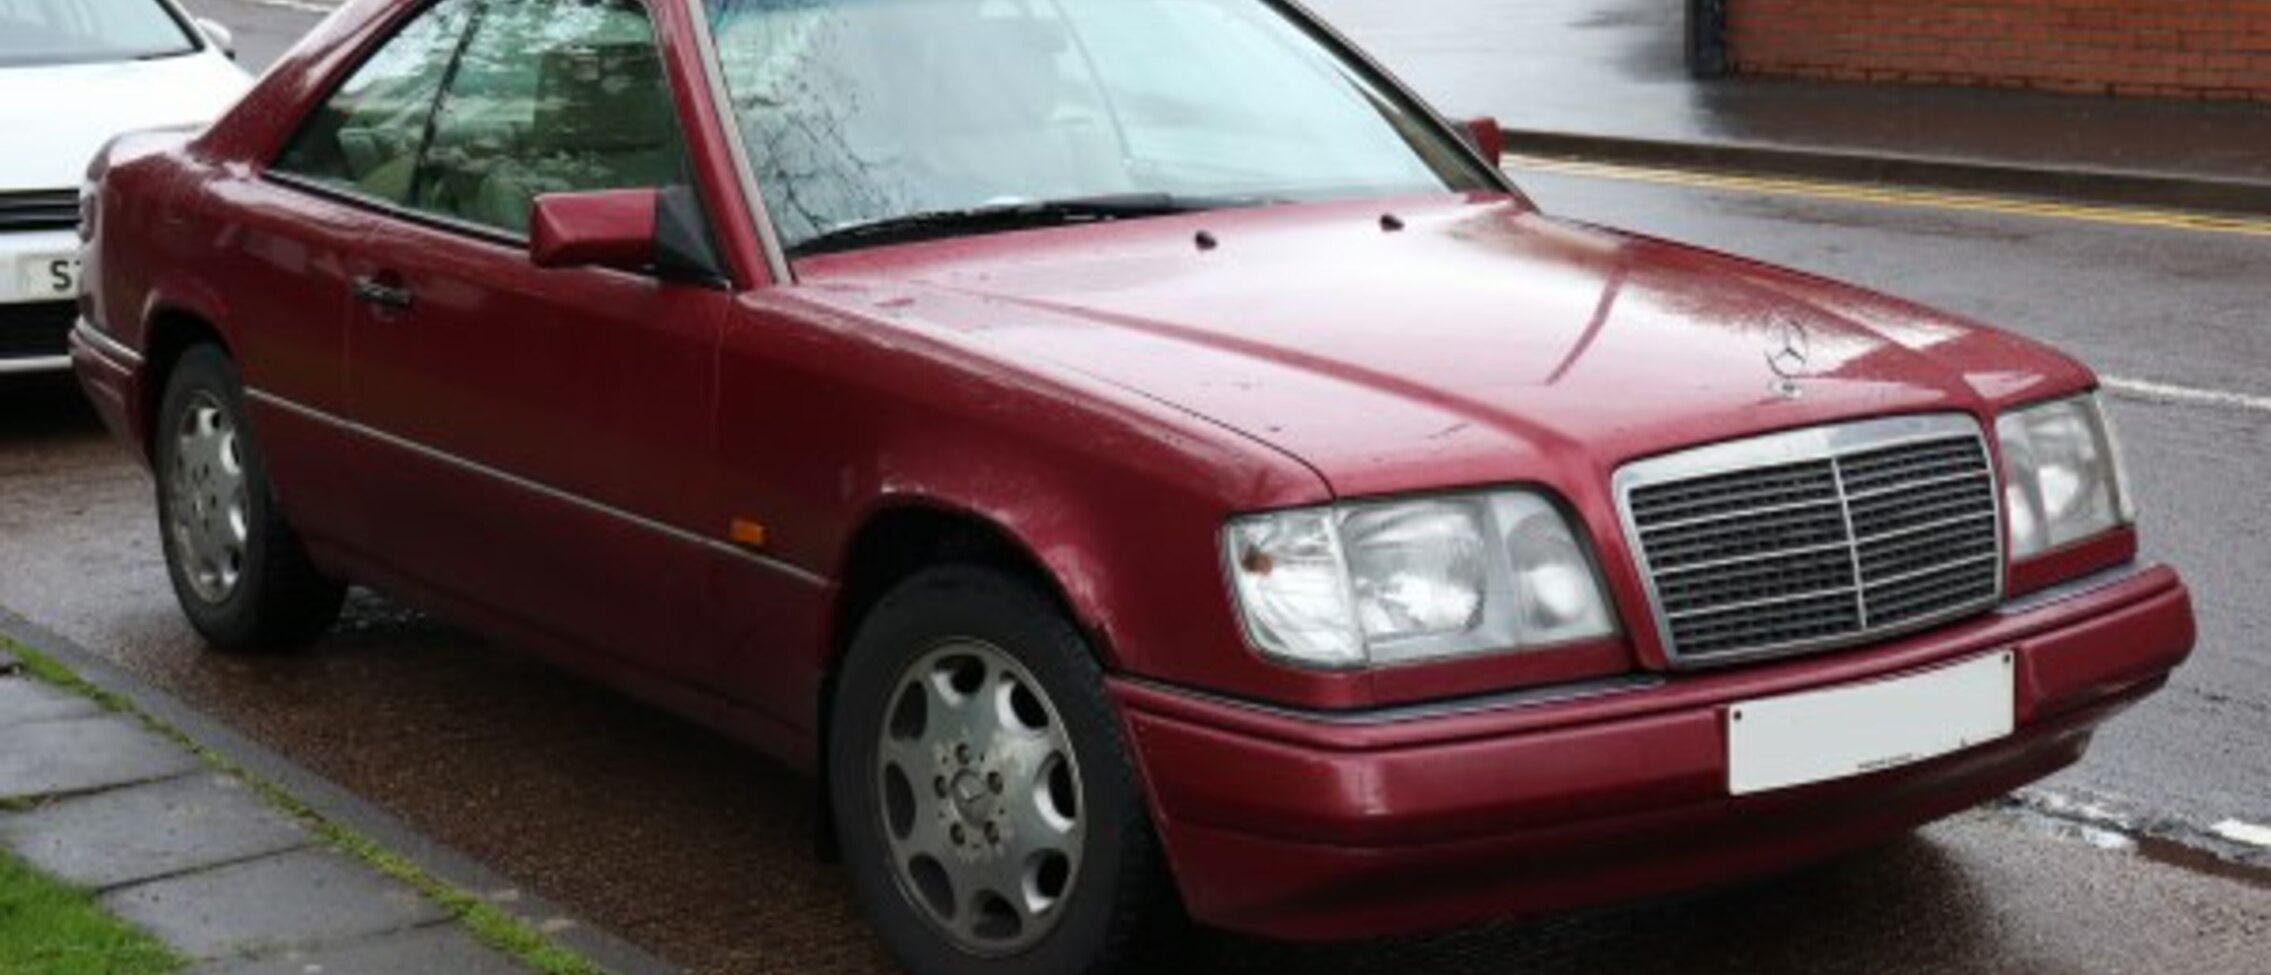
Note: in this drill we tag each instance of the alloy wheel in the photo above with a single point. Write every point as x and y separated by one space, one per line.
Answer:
979 794
208 513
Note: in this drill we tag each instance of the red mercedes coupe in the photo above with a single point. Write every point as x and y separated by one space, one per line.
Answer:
1135 451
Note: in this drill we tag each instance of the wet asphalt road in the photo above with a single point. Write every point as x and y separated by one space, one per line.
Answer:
697 851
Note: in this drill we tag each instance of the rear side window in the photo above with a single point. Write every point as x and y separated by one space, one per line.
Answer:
550 96
366 138
478 106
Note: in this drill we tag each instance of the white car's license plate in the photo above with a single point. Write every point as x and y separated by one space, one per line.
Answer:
1780 742
48 276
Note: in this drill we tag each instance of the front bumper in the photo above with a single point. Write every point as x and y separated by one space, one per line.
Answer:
111 375
1311 826
33 322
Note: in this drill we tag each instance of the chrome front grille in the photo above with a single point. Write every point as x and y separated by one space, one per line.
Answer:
1816 538
42 210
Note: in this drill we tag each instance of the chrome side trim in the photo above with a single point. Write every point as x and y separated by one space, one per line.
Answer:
1532 697
2076 588
45 363
110 346
383 207
1808 445
673 532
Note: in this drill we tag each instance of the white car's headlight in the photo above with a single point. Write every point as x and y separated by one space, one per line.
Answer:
1389 582
2062 475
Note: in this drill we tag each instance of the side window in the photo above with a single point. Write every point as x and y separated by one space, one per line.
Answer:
550 96
366 138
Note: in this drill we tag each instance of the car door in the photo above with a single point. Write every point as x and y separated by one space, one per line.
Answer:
287 254
542 437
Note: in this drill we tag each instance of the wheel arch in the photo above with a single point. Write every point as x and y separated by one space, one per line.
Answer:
895 542
169 333
899 540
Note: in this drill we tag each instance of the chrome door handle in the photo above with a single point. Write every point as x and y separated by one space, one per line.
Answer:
376 292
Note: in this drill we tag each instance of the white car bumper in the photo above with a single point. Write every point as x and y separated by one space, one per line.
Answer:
39 287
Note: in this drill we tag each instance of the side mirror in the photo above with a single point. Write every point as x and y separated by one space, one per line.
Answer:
609 228
221 36
1487 138
645 231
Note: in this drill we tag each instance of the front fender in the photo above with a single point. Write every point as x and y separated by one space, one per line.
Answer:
830 419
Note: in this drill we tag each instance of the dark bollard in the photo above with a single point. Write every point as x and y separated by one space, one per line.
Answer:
1707 39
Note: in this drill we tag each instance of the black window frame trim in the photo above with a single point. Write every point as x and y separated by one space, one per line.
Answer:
383 207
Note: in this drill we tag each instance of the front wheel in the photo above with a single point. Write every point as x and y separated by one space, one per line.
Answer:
989 814
238 570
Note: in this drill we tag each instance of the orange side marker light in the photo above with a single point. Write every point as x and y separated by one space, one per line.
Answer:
747 531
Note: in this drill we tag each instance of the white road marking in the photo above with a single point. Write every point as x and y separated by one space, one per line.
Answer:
2137 389
2247 833
2149 391
1898 196
2083 811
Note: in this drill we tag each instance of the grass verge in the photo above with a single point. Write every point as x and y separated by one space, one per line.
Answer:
53 929
482 919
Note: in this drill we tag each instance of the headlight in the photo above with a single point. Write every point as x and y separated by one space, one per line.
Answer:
1400 581
2062 476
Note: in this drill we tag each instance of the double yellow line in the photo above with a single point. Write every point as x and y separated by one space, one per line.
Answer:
1898 196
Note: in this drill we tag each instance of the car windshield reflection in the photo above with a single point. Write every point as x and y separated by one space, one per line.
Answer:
44 32
856 112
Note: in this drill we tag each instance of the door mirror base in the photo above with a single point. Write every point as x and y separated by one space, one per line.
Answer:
684 248
643 231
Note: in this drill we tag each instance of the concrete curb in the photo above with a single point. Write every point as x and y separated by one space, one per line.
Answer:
339 806
2109 187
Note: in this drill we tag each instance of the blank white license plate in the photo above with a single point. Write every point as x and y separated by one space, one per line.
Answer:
1818 736
48 276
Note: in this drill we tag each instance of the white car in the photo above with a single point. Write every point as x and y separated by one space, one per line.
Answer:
74 73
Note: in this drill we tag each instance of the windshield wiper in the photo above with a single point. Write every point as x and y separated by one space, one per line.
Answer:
1001 217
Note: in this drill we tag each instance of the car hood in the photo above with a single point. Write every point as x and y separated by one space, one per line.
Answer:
1456 342
56 116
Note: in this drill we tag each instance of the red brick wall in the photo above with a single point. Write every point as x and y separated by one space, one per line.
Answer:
2219 49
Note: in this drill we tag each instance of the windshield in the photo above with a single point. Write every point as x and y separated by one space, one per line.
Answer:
858 111
73 31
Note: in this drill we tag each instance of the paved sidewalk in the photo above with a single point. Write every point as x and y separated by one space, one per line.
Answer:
1604 80
194 856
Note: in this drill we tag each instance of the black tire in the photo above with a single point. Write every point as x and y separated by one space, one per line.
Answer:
277 600
1121 891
